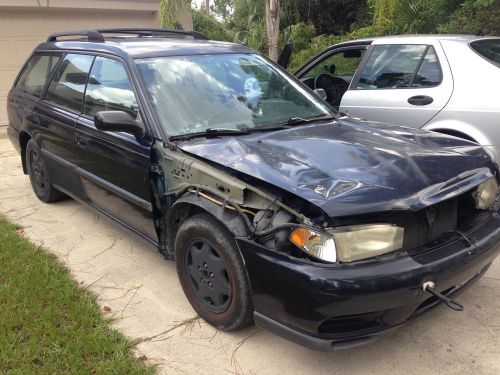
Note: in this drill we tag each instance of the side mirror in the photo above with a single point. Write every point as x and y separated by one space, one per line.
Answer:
118 121
321 93
286 53
352 53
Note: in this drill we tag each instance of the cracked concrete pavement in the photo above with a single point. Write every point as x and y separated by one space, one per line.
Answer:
140 290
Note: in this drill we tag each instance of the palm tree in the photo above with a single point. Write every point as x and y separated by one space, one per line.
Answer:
273 27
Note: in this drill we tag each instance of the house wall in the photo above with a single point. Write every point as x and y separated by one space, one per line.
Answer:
26 23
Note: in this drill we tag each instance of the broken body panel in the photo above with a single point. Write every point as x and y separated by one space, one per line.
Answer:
343 168
333 171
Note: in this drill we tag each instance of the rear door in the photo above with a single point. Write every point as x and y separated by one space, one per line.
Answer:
29 87
54 118
404 84
114 165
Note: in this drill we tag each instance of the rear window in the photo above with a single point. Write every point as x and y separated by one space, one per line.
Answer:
489 49
35 73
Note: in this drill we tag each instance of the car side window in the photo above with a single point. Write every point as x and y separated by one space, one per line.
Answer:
109 88
35 73
68 84
429 74
343 64
489 49
399 66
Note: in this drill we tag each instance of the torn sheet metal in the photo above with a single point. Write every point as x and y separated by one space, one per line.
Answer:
348 167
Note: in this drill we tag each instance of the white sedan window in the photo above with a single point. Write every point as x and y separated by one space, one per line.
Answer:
398 66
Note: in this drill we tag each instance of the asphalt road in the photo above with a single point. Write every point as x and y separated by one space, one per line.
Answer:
140 290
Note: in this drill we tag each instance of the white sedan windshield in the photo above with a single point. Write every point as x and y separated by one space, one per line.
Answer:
225 91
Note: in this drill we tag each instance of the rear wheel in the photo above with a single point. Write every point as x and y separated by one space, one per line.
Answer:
212 273
39 175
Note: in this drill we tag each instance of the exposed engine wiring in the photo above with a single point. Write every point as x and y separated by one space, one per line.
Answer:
197 189
213 200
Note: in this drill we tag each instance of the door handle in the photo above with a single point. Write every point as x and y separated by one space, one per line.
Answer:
420 100
35 120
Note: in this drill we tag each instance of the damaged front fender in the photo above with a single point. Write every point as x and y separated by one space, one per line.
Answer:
185 186
190 204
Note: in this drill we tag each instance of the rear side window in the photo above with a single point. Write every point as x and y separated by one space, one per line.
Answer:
429 74
489 49
68 84
400 66
109 88
35 73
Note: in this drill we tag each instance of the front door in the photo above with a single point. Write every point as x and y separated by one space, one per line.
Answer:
333 71
115 169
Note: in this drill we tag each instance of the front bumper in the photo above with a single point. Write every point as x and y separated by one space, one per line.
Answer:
328 307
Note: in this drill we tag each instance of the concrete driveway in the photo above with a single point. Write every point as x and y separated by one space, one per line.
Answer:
140 290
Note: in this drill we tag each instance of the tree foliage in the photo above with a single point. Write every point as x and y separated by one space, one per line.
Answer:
313 25
210 26
170 11
437 16
221 8
474 16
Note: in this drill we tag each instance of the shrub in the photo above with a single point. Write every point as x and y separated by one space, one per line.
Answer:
211 27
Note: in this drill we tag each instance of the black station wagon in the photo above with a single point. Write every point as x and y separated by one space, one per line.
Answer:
275 208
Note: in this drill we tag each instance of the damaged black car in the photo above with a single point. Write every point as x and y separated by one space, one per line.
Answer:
276 209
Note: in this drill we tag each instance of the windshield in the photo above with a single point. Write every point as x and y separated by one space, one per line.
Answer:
227 91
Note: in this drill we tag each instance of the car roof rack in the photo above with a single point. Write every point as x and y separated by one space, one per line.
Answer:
153 32
92 35
97 35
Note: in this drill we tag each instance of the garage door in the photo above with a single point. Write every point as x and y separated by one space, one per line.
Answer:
22 30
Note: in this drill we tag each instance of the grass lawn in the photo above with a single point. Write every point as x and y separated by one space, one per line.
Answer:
48 324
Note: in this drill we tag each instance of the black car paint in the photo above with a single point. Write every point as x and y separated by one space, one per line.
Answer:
307 296
89 164
348 167
290 295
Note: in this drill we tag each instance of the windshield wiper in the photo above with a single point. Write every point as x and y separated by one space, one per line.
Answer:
307 120
216 132
297 121
210 132
293 121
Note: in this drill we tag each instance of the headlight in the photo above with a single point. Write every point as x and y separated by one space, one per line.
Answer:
318 245
485 194
350 243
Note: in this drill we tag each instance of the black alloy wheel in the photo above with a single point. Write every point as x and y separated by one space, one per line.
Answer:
212 273
208 275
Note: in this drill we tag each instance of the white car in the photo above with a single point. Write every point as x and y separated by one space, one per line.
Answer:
445 83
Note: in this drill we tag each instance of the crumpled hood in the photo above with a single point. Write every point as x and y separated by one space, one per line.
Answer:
348 167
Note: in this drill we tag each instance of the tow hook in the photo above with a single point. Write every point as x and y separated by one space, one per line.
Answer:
429 286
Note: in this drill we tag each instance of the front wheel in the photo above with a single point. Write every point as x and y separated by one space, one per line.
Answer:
212 274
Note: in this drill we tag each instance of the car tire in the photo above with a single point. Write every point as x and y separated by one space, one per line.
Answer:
39 175
212 274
